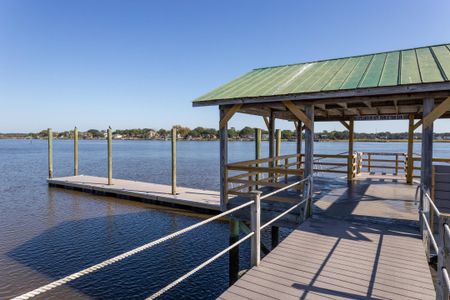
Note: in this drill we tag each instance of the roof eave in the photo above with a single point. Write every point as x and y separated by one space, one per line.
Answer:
360 92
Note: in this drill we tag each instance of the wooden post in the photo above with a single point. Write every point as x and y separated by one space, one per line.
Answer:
409 158
396 164
233 260
298 130
257 151
277 149
109 135
309 154
442 290
255 222
350 149
174 161
75 151
223 132
50 152
427 146
369 162
271 143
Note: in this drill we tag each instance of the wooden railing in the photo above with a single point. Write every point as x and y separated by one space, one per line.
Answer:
417 164
251 175
376 161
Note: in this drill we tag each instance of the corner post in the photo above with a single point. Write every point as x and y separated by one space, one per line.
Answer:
277 149
174 161
109 136
223 132
409 157
257 151
233 260
271 144
309 156
298 131
75 151
255 222
50 152
350 149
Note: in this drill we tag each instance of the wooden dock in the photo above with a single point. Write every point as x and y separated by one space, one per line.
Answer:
196 199
362 242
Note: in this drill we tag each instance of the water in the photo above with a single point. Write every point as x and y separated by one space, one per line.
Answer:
47 233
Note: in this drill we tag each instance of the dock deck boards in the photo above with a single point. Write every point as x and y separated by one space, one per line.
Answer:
362 243
153 192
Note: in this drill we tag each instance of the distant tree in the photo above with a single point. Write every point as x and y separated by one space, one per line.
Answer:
246 132
95 133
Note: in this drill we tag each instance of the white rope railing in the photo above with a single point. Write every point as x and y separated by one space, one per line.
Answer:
120 257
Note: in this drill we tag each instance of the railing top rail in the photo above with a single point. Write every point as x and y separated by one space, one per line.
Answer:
285 188
262 160
384 153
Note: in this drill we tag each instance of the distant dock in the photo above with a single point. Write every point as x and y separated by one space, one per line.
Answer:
196 199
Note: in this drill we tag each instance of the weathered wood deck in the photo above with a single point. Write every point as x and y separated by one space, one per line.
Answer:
363 242
143 191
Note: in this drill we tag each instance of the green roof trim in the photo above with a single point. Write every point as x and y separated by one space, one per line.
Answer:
429 64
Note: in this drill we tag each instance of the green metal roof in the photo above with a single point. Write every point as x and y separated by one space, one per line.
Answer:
429 64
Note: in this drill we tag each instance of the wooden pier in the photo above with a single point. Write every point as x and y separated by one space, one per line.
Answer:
362 242
196 199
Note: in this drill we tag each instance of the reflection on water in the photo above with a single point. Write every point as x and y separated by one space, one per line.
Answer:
47 233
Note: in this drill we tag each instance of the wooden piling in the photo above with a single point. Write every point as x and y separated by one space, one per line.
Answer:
298 130
309 154
409 159
75 151
350 149
50 152
275 236
223 132
257 150
174 161
233 260
109 137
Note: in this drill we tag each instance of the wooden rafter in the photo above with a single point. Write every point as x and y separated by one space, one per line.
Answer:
229 114
298 113
266 120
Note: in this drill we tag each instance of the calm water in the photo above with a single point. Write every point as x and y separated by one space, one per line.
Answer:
47 233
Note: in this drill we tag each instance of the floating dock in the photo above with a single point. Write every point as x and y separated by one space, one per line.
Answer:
362 242
196 199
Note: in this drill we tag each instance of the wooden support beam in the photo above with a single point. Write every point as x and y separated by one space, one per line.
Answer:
300 115
266 120
50 152
257 150
271 139
298 131
309 153
75 151
229 114
345 125
417 125
174 161
223 133
437 112
350 149
410 161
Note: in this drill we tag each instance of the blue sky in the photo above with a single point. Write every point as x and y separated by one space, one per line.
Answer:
140 63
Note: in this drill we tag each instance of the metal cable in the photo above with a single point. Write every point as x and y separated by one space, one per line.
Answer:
120 257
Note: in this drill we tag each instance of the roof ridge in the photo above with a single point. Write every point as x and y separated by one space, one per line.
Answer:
351 56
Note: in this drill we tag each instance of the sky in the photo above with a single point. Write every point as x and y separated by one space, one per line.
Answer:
136 64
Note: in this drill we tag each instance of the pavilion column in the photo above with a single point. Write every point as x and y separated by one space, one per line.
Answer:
350 149
298 131
309 152
426 170
410 161
275 231
223 133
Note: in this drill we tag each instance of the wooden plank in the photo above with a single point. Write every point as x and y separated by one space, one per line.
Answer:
409 69
228 115
300 115
373 74
437 112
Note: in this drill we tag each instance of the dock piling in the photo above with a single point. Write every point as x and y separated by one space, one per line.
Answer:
109 137
257 151
174 161
234 253
75 151
50 152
